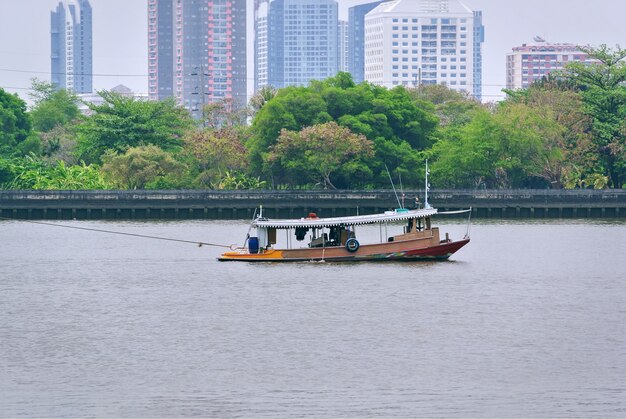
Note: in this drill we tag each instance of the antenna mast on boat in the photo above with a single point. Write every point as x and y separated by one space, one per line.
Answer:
426 188
394 187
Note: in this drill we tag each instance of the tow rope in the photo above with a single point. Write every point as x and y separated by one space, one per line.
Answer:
199 243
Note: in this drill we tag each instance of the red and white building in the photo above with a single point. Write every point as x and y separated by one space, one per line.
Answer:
197 51
530 62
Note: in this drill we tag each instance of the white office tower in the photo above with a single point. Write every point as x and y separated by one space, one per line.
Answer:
413 42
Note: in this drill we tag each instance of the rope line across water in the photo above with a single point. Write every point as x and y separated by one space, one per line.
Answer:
199 243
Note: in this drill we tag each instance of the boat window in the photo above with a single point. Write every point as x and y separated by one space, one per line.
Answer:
301 233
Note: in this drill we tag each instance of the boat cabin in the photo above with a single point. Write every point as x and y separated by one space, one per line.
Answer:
313 232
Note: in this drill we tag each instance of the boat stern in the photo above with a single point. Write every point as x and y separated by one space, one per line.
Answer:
268 255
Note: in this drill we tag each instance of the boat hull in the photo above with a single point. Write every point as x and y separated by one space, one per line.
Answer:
409 250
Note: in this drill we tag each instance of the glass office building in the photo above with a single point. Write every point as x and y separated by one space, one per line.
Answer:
72 46
302 42
356 39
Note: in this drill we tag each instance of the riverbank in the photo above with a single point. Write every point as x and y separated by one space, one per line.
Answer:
242 204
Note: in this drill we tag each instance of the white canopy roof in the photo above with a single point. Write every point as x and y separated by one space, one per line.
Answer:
388 216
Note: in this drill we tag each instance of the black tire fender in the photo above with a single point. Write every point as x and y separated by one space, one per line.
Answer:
352 245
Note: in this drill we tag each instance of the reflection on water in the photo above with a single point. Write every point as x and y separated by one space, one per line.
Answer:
527 320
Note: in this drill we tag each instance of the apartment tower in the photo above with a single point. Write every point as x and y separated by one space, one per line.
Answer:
531 62
197 51
71 46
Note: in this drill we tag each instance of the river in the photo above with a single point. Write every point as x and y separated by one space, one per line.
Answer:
529 319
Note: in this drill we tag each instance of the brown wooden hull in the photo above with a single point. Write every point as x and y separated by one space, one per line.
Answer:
418 249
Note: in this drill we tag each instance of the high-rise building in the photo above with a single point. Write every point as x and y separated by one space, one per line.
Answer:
479 38
342 49
356 39
530 62
160 49
71 46
302 41
261 56
412 42
197 51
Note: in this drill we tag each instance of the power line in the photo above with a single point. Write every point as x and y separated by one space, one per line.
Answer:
10 70
144 93
30 89
17 88
239 78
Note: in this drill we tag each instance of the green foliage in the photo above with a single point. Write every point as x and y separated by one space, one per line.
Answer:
214 153
59 144
570 144
466 159
603 89
292 108
31 145
52 108
32 173
124 122
320 151
577 178
143 167
504 150
380 114
260 98
7 173
238 180
224 113
15 126
567 130
453 108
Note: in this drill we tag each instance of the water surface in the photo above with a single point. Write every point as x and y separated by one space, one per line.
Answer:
527 320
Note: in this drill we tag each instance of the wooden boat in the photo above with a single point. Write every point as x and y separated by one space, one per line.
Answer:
335 239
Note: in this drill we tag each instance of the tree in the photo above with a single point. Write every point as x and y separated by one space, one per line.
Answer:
530 144
59 144
224 113
291 108
453 108
603 88
505 150
143 167
216 153
52 107
568 150
398 124
466 158
124 122
260 98
319 152
16 137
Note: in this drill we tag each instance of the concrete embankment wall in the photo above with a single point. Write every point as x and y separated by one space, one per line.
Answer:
287 204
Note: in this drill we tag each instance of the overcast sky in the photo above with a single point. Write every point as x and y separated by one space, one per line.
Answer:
120 36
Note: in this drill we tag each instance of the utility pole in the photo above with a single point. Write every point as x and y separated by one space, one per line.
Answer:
202 74
417 81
